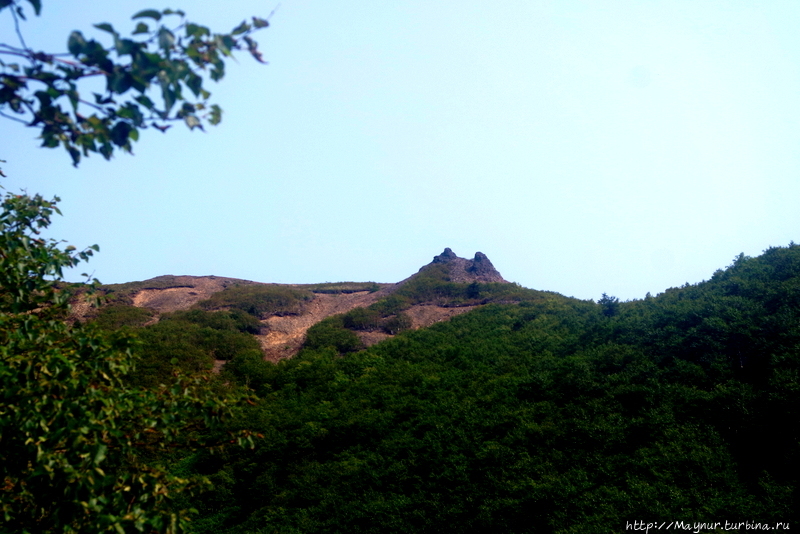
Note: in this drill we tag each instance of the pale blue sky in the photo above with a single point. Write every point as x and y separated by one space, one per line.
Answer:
585 147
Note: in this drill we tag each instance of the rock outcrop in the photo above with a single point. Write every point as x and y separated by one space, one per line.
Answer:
478 269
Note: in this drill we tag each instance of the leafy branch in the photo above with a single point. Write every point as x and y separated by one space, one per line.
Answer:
154 77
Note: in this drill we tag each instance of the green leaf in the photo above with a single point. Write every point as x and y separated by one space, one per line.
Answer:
120 82
194 82
192 122
106 27
106 150
37 6
241 28
260 23
216 115
166 39
195 30
149 13
146 102
141 28
100 455
169 97
120 133
74 154
127 47
75 43
50 141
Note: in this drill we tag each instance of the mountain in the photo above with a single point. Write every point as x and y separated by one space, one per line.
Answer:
528 412
284 329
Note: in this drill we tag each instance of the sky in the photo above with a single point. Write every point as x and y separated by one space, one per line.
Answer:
618 147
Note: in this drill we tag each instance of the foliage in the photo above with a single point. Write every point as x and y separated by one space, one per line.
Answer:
331 333
609 304
154 77
233 320
176 344
546 415
259 300
396 323
341 287
361 319
432 285
118 316
75 439
27 260
185 342
369 319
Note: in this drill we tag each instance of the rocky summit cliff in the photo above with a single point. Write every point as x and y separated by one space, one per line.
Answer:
478 269
453 268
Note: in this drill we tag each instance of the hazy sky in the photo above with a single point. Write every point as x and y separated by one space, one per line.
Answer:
585 147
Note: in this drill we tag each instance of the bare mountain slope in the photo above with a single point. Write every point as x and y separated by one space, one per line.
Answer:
284 333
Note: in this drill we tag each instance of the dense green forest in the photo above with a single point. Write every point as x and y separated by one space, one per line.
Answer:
533 413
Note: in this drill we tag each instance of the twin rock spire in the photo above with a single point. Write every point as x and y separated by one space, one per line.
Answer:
478 269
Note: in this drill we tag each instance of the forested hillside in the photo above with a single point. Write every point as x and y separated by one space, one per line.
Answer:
532 413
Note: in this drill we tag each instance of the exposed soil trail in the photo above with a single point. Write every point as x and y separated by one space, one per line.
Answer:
286 334
188 291
424 316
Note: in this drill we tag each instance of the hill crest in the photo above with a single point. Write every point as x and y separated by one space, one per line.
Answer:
478 269
284 332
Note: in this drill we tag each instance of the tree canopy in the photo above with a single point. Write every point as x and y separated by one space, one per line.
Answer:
83 448
78 443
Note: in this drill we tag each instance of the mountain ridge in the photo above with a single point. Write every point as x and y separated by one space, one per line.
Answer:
283 333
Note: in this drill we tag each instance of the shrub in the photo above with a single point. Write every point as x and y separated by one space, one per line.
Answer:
332 333
116 317
396 324
259 300
361 319
234 320
342 287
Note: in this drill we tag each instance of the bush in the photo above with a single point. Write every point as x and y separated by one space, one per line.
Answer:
332 333
233 320
396 324
259 300
176 345
116 317
342 287
361 319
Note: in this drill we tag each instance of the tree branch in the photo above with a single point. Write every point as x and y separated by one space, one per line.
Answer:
19 33
17 119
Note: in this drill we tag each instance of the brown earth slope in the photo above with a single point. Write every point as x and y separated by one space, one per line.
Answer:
284 335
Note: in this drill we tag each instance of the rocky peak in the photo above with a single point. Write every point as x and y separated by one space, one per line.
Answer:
481 266
446 256
478 269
